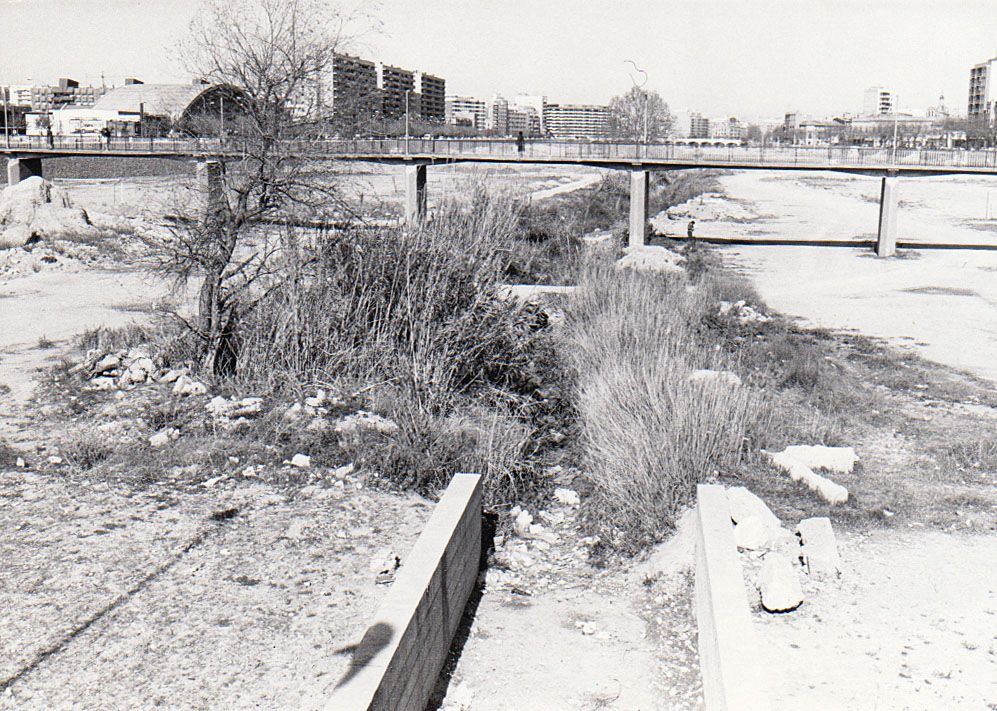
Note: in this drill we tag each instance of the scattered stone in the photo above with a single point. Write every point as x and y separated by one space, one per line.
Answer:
341 473
566 497
302 461
779 584
316 401
651 259
55 460
715 376
164 437
828 490
586 626
744 503
222 408
187 386
820 550
361 421
111 361
171 376
834 459
103 383
20 463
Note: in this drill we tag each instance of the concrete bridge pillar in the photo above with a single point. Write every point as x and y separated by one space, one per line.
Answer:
886 241
638 208
20 168
212 190
415 194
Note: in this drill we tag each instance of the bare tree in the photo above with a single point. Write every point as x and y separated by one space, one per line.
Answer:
268 60
629 112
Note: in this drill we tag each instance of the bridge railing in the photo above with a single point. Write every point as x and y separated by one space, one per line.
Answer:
545 150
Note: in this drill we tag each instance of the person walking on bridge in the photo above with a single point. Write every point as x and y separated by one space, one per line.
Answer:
691 228
49 137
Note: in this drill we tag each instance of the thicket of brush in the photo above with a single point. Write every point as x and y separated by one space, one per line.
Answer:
417 320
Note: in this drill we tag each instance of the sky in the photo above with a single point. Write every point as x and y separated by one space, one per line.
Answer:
747 58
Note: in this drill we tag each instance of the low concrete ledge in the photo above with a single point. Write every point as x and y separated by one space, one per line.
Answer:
400 656
728 650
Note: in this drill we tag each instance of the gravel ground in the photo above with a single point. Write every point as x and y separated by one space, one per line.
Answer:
233 596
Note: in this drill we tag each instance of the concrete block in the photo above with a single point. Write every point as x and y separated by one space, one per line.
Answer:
820 550
728 648
638 207
886 240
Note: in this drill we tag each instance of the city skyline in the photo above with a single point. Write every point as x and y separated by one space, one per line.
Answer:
755 63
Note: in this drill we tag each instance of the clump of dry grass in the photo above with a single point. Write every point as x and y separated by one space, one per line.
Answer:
649 433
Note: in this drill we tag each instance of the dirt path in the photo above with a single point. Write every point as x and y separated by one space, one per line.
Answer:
909 626
229 596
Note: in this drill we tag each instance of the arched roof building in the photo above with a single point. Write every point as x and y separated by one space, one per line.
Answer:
174 102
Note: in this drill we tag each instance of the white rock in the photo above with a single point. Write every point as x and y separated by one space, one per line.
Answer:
755 533
20 463
185 386
779 584
341 473
55 460
164 437
522 524
171 376
820 550
363 420
108 362
743 504
828 490
316 401
715 376
651 259
103 383
533 293
293 412
742 312
566 497
302 461
834 459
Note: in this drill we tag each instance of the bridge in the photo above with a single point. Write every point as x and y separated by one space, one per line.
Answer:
25 156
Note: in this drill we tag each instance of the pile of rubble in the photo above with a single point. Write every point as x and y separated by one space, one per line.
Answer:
775 557
742 313
127 368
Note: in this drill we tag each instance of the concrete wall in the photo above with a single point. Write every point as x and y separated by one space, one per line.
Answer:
405 646
728 658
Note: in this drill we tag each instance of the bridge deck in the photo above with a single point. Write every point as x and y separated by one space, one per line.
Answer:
626 156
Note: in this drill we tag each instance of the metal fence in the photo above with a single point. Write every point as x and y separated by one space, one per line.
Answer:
529 151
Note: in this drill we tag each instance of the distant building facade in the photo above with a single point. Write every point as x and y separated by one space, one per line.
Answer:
878 101
397 86
578 120
466 111
432 92
982 92
66 92
699 126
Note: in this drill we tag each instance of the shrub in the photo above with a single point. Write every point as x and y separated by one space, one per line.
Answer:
649 433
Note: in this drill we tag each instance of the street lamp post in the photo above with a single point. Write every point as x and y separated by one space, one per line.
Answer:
406 120
643 94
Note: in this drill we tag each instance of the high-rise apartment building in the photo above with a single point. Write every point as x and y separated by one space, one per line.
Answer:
535 102
982 92
354 92
395 83
577 120
879 101
497 115
466 111
433 91
699 126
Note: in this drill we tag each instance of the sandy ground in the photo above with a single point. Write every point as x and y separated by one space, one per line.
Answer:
117 600
552 632
910 625
942 303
